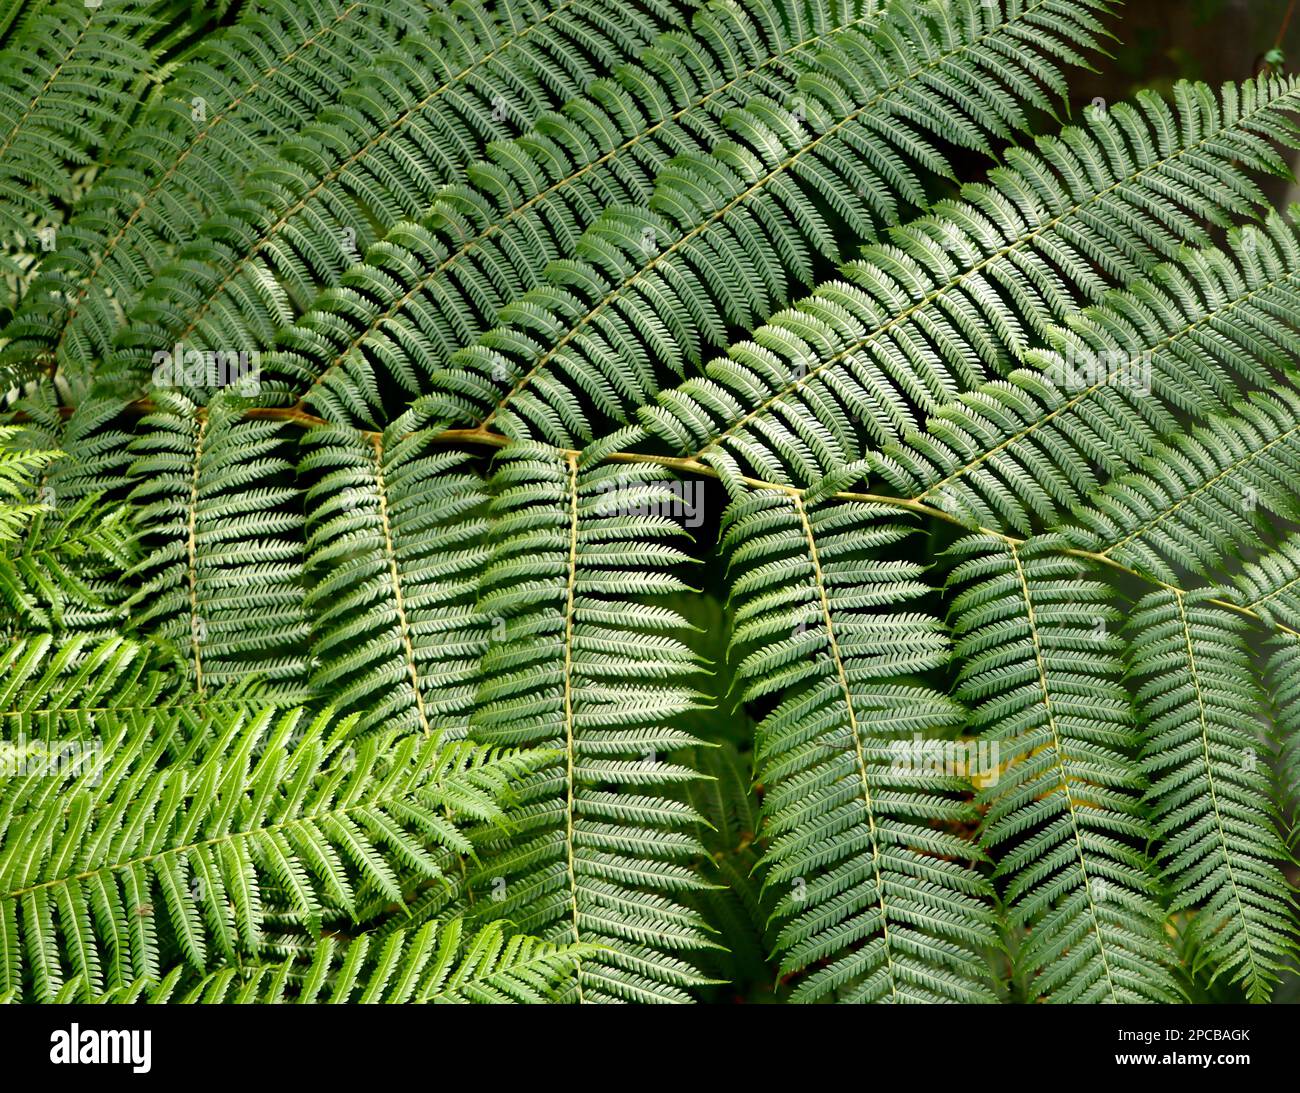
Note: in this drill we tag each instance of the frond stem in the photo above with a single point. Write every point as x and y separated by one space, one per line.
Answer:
191 550
570 597
395 579
837 659
296 415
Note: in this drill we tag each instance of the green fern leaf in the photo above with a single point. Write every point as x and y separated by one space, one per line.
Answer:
435 284
726 234
588 667
396 539
964 293
873 892
221 572
410 123
1042 670
107 874
279 66
69 72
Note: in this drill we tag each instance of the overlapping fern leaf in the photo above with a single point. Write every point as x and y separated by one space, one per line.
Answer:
436 964
1021 452
222 115
222 558
396 540
69 72
419 108
1041 670
123 864
58 562
1214 814
53 690
433 964
725 236
962 295
435 283
18 470
410 124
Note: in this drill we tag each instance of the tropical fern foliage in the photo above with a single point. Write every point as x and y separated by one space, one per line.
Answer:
641 501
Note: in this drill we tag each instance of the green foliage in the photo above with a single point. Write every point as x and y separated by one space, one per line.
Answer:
1213 814
577 501
432 284
129 862
849 819
600 852
1041 674
217 575
70 71
435 964
58 564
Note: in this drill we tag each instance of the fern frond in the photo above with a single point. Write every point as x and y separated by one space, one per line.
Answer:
221 521
223 113
1270 586
58 557
1019 453
725 235
1214 820
1196 502
127 865
411 123
434 964
63 575
860 842
522 268
965 293
588 666
436 284
19 468
396 544
95 433
55 689
1041 668
62 690
66 77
